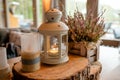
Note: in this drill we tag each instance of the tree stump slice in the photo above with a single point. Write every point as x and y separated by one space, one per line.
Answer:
75 65
95 70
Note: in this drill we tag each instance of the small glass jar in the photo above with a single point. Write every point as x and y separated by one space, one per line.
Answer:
30 52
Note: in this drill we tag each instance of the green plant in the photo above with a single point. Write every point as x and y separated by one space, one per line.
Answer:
84 29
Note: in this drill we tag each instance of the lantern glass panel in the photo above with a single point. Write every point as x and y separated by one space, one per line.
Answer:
64 44
42 43
52 47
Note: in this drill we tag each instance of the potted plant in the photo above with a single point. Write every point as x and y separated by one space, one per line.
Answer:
84 32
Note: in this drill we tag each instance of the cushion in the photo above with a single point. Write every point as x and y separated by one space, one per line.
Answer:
116 32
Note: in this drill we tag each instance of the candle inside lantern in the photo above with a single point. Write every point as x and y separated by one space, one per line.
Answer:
54 49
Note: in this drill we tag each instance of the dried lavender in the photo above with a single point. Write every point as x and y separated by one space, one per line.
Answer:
84 29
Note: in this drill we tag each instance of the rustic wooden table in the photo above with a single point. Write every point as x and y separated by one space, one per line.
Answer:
74 69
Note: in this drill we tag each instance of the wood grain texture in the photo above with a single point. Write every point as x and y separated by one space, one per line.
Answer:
75 65
108 42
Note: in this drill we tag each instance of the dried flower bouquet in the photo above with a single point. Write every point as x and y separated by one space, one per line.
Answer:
84 33
85 29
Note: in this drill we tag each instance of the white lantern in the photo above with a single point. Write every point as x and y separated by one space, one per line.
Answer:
55 39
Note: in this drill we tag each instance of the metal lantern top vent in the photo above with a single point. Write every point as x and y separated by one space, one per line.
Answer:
53 15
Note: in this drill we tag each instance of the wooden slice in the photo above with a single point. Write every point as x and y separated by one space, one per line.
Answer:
95 67
95 70
75 65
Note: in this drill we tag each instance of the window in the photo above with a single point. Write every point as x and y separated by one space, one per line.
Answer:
72 5
24 13
112 13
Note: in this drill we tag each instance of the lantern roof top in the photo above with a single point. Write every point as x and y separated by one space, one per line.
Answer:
53 26
53 21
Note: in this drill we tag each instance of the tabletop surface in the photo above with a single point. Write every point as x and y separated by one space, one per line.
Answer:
61 71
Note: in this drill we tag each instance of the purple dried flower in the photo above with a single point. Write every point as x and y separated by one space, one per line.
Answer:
85 29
